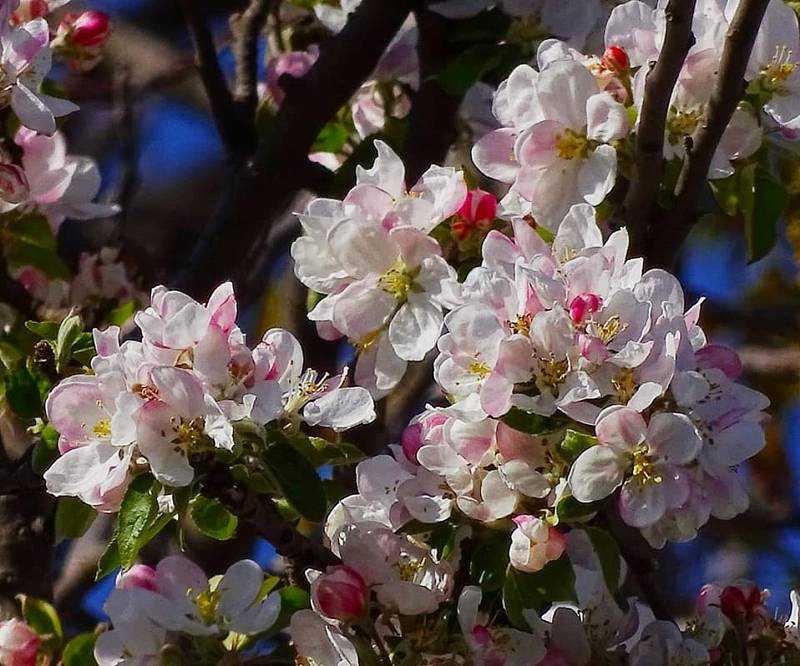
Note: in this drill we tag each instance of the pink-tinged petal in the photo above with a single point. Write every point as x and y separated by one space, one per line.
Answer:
537 147
597 174
387 172
373 200
341 409
720 357
564 87
180 389
641 504
222 306
361 310
608 119
415 328
176 575
31 110
621 428
596 474
494 156
362 247
673 438
285 362
25 43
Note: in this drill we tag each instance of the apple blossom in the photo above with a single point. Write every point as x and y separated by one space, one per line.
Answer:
81 37
534 543
19 643
340 593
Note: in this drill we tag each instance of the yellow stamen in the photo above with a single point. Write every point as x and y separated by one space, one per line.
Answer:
396 281
480 369
102 428
624 384
570 145
643 470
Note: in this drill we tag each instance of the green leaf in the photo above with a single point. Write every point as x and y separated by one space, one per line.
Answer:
530 423
468 67
575 443
769 200
726 193
68 334
608 553
331 139
138 508
296 478
523 591
109 560
41 617
34 230
293 599
212 518
489 562
46 330
319 451
22 393
122 313
570 510
21 253
80 650
73 518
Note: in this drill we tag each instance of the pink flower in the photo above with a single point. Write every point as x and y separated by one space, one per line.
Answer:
582 305
341 593
19 644
294 64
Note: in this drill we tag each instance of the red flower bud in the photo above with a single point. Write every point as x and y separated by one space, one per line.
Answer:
19 644
340 593
138 576
478 206
29 10
615 59
87 30
582 305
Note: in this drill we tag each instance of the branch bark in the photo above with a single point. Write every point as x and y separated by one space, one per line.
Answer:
432 127
666 237
259 189
263 517
234 133
649 155
246 27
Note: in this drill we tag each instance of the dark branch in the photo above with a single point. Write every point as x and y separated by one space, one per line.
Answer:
666 239
649 153
259 190
432 127
224 110
246 28
261 514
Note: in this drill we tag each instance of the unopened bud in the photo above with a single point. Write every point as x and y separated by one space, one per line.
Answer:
615 59
340 593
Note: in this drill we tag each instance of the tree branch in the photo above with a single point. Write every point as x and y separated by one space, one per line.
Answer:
432 127
261 514
649 154
233 132
258 190
246 28
667 237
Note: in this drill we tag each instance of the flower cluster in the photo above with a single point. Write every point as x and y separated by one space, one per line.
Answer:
176 610
158 403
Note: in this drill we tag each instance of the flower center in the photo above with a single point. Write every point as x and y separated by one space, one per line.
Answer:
102 428
682 123
571 144
552 372
624 384
207 602
408 567
396 281
609 329
643 469
479 368
310 385
779 69
522 325
188 432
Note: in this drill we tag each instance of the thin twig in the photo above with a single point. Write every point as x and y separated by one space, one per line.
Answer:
667 237
246 28
219 95
260 189
649 153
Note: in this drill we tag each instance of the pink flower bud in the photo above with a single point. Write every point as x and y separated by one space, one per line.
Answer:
582 305
615 59
19 644
340 593
86 30
411 441
478 206
742 601
139 576
13 184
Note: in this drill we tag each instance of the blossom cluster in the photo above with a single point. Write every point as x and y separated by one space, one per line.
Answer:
155 404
